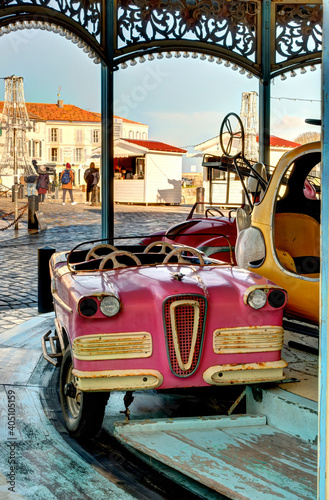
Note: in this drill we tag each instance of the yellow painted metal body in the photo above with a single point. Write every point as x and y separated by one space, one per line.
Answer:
303 291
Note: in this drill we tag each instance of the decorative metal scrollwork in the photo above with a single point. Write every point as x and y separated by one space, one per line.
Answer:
85 12
298 30
230 24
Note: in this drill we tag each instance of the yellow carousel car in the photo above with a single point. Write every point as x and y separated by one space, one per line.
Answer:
280 238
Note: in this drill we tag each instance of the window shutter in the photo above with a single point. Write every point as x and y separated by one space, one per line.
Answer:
49 154
91 136
30 154
40 149
49 135
60 155
60 135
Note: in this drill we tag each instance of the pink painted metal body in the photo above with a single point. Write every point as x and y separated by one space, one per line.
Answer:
212 235
217 294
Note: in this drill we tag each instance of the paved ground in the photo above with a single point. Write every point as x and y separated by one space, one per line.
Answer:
66 226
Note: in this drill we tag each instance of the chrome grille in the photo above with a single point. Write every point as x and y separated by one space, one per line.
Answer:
184 318
248 339
113 346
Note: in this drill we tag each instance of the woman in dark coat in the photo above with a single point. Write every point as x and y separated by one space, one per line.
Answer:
91 177
42 184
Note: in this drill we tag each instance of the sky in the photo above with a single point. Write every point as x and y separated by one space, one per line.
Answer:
182 100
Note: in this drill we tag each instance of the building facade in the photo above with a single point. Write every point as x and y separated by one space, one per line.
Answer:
64 133
145 171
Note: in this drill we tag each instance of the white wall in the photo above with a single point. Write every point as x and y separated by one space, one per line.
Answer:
219 192
129 191
137 131
163 178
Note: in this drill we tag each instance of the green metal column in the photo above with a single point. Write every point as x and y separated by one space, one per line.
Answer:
264 85
107 124
323 449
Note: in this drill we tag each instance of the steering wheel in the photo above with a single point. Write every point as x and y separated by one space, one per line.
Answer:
113 257
178 251
162 244
230 216
92 251
211 209
236 135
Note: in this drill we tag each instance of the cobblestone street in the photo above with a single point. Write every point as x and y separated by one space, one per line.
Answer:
66 227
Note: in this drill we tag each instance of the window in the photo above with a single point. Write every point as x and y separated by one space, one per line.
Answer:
140 168
79 135
54 154
95 136
216 174
131 134
34 149
78 154
54 135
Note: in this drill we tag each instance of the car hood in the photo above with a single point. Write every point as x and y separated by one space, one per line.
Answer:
162 281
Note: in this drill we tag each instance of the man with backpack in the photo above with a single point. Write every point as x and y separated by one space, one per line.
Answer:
67 180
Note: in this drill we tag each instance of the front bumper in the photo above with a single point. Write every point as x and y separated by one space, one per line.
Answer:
117 380
248 373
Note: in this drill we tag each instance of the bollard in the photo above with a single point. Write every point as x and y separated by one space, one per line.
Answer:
33 206
200 198
45 299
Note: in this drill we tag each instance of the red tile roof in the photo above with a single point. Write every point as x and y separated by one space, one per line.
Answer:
125 120
69 113
156 146
279 142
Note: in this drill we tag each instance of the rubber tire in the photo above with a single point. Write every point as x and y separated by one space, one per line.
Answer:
92 406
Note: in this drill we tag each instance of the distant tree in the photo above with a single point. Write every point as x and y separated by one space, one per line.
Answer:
306 137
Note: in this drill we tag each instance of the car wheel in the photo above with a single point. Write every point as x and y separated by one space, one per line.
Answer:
83 411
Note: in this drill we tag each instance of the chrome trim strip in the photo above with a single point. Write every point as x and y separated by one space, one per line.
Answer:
62 303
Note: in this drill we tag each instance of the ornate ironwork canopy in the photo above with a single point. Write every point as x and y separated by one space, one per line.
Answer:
232 30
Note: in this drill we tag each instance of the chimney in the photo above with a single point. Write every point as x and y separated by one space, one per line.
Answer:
60 103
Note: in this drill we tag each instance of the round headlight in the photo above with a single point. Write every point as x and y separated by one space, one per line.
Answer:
257 299
88 307
277 298
110 305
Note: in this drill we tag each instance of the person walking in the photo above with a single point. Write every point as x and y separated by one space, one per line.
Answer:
31 184
91 177
67 180
42 184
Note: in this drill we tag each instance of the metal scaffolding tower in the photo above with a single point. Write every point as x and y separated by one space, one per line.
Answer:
249 118
13 160
15 123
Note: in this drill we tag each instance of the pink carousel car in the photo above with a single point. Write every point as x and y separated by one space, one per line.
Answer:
156 317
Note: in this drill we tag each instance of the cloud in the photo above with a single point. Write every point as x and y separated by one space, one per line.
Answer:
289 126
287 121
